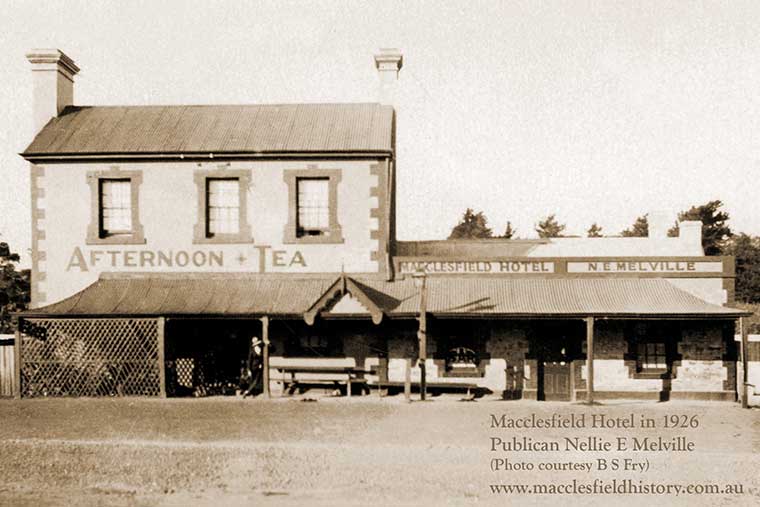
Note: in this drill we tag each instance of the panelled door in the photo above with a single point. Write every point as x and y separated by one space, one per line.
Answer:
556 381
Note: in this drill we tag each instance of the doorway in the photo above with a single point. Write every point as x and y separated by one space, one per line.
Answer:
555 347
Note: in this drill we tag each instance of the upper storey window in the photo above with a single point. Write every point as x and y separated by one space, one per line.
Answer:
222 206
114 207
313 206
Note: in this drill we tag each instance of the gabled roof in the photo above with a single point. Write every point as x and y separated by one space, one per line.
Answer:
256 295
342 286
226 129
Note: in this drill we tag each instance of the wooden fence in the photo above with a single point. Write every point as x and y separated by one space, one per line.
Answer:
7 366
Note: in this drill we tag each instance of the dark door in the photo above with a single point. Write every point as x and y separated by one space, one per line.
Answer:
556 345
554 354
556 376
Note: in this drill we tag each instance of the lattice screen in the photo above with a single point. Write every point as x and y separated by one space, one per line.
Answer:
89 357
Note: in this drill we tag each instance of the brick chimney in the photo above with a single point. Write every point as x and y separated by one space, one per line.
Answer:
53 84
388 62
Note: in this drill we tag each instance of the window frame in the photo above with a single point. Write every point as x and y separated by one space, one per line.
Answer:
104 232
641 359
334 232
235 183
645 333
302 232
449 336
201 229
95 231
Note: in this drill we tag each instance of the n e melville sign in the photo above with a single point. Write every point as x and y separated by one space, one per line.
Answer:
644 266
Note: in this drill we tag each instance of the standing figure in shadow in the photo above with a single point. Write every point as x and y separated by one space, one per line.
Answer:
255 367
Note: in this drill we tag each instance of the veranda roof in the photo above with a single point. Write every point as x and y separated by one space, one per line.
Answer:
447 296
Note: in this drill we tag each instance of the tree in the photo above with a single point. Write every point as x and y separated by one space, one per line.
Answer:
746 250
595 231
472 226
14 288
715 231
509 232
639 229
550 228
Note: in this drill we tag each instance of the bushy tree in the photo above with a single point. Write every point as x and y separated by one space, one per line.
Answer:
472 226
595 231
14 288
639 229
746 250
715 230
509 232
550 228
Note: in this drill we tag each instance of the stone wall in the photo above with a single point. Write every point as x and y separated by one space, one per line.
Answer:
704 365
507 346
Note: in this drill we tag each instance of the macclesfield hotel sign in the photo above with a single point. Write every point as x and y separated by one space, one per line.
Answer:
539 266
475 266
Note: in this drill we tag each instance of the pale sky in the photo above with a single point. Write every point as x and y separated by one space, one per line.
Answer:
594 111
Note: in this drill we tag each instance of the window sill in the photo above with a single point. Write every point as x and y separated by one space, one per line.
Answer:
333 238
221 239
118 239
653 375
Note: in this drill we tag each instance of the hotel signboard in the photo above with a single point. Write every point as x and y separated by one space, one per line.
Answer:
644 266
683 266
477 266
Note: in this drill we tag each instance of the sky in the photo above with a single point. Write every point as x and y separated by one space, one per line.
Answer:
593 111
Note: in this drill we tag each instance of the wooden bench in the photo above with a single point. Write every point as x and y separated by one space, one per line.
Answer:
306 374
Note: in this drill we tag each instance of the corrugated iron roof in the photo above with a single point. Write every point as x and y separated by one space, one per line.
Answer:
454 296
247 129
524 297
192 296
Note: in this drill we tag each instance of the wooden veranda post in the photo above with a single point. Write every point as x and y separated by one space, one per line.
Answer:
422 337
408 379
745 362
17 362
160 331
589 360
265 355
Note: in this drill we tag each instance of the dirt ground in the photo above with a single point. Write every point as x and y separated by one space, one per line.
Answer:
336 451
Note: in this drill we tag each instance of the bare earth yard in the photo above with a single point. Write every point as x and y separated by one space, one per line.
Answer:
226 451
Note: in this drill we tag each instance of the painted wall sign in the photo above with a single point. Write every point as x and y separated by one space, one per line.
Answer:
644 266
263 255
480 267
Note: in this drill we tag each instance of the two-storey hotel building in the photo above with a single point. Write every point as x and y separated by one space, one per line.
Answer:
166 237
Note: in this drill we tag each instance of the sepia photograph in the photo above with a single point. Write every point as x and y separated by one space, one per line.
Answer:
335 253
